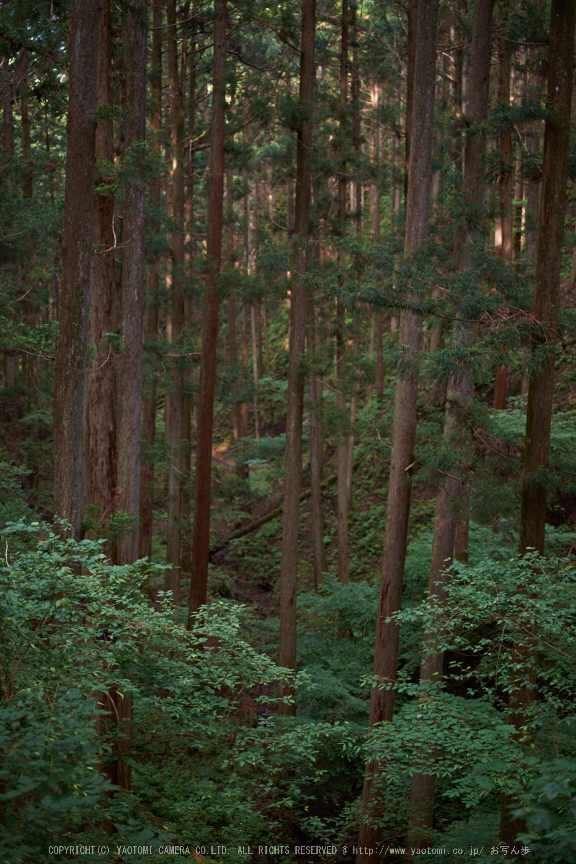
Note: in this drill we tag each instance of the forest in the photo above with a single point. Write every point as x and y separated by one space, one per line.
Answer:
287 431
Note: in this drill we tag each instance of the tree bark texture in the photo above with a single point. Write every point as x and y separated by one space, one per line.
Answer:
342 446
132 282
405 406
175 470
315 420
153 284
101 407
295 399
201 531
547 283
72 336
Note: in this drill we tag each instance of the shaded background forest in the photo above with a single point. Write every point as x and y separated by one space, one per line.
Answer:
280 287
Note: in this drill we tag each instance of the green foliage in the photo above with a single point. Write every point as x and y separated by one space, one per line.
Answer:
72 626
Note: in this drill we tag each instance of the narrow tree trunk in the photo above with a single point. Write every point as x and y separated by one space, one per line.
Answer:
316 514
133 278
293 459
342 447
27 171
101 407
349 466
266 345
72 336
231 310
151 334
506 179
253 313
546 303
175 470
375 232
201 531
506 192
245 326
410 71
11 361
189 254
405 407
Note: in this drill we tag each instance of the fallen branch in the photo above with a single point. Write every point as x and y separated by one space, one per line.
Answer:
272 514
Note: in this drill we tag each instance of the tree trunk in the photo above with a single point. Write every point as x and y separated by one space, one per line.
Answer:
175 470
231 311
405 406
375 231
316 514
293 459
101 408
342 450
132 282
149 404
27 171
201 531
410 70
189 254
506 192
72 336
255 371
546 303
342 447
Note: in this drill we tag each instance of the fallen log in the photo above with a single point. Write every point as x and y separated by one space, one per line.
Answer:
272 514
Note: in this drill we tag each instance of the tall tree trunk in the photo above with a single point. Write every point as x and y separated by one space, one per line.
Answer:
459 398
153 284
506 192
533 183
101 408
232 313
11 360
405 406
410 70
316 514
27 171
175 473
244 406
201 531
355 99
255 370
72 335
545 313
342 447
189 255
293 459
375 230
132 281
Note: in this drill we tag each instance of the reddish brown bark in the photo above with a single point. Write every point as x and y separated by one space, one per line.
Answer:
151 328
201 530
293 460
72 336
132 282
315 424
101 408
189 253
175 470
342 446
410 61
